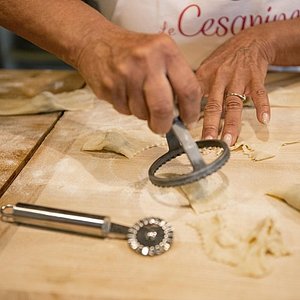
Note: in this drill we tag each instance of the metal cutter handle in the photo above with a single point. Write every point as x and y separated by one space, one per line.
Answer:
63 220
178 137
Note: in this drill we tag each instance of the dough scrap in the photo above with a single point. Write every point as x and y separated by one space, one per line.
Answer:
208 194
283 90
248 252
261 150
290 194
128 143
48 102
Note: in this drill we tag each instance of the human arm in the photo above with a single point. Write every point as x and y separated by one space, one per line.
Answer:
138 73
240 66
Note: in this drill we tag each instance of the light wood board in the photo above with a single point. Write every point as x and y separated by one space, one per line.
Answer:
19 138
41 264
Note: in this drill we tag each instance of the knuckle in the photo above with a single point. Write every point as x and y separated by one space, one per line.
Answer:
260 93
191 91
107 83
123 69
213 107
232 123
223 70
139 53
159 110
167 46
151 44
164 40
233 104
210 128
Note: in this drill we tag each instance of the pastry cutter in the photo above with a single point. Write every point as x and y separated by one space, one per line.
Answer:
149 236
181 142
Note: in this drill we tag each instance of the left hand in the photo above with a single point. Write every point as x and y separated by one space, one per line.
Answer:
238 66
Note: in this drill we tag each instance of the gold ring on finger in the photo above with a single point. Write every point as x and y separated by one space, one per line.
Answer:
243 97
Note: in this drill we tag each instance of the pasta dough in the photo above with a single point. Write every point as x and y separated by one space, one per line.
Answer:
48 102
290 194
24 84
283 90
249 252
258 151
208 194
127 143
261 150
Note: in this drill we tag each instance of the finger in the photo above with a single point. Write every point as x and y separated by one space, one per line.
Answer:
113 90
213 112
136 99
233 114
159 100
261 102
187 89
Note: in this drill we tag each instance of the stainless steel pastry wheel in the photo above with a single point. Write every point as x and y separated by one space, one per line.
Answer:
149 236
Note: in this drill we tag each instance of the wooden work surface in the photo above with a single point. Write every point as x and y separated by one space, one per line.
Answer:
41 264
20 136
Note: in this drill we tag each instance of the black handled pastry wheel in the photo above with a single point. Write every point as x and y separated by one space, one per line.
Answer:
180 142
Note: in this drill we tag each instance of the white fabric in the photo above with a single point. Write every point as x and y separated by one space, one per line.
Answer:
198 26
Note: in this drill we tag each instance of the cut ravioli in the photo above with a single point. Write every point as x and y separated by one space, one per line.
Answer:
290 194
208 194
250 252
261 150
128 143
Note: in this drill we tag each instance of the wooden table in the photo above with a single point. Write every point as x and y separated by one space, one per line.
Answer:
20 136
42 264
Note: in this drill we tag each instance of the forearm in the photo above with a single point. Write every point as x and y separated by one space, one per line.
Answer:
61 27
288 43
283 39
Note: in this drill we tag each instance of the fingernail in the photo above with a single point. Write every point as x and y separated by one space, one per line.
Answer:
265 118
209 137
227 139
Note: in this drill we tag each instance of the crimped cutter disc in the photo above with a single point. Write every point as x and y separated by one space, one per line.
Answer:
180 142
150 236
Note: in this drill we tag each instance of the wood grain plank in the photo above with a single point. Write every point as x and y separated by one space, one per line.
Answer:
63 265
20 136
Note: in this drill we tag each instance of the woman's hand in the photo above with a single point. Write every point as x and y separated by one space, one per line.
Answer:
139 74
238 67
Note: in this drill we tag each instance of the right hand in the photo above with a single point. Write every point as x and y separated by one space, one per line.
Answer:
139 74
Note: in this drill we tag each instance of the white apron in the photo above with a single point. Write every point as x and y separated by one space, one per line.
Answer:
197 26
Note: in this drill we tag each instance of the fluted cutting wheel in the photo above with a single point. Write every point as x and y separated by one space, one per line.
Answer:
197 173
150 236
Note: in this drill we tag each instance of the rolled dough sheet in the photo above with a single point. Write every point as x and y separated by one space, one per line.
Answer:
257 149
290 194
284 92
125 142
250 251
283 89
29 83
209 194
48 102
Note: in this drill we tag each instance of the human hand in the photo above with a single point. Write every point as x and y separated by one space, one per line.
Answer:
139 74
238 66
